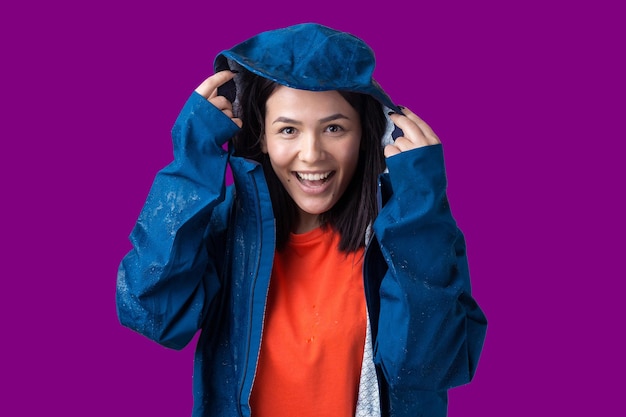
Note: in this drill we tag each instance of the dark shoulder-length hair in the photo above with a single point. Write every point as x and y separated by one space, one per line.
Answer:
358 207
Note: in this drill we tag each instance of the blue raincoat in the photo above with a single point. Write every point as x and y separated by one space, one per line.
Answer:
202 252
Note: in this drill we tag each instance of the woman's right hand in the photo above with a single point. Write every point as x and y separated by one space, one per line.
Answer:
208 90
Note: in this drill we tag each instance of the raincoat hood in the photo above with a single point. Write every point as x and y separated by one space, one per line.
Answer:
308 56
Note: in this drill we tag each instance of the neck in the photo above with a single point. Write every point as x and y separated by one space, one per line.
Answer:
306 222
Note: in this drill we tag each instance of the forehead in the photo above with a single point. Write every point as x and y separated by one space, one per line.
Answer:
302 104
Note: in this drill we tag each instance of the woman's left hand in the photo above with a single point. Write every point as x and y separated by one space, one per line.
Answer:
416 133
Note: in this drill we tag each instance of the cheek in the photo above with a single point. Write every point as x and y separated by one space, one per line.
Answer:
279 157
350 156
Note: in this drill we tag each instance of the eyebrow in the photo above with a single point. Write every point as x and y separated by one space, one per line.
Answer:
330 118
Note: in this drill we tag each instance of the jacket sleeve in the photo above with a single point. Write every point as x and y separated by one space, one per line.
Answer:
166 281
430 331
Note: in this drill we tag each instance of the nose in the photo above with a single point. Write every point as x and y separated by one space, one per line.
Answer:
311 148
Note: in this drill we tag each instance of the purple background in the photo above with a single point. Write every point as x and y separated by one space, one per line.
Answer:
528 98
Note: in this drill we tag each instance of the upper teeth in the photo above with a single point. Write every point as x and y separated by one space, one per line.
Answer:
313 177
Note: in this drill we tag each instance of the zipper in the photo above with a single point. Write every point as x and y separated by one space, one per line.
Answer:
253 282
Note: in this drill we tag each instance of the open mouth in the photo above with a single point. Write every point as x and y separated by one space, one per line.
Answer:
314 179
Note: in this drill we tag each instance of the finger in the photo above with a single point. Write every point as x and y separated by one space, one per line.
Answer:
404 144
208 88
237 121
391 150
226 107
411 127
425 128
221 103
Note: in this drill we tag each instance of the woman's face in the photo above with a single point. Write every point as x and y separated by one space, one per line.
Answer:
312 139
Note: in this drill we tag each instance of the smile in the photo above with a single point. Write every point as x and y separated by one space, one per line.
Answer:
303 176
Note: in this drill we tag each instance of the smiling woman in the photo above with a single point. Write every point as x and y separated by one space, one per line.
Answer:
339 115
312 139
331 277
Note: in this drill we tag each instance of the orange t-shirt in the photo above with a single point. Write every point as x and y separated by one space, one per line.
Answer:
314 331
